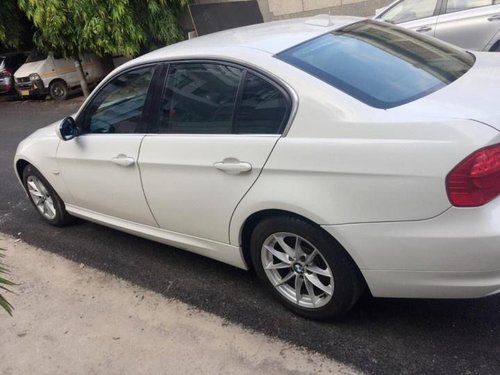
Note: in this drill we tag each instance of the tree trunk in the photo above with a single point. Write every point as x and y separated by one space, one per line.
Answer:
83 80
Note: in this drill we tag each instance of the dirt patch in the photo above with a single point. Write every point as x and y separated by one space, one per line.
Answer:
73 319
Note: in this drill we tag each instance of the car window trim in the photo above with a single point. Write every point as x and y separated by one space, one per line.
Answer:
442 9
153 100
290 95
81 116
237 103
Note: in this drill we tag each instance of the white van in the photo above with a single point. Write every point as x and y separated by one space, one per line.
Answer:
44 74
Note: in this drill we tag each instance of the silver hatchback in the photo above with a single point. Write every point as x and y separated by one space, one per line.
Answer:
470 24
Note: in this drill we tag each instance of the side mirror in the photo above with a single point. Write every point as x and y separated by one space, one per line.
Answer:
68 129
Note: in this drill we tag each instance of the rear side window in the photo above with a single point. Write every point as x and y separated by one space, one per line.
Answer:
379 64
458 5
213 98
262 109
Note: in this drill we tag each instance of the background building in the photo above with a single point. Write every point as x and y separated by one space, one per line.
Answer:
280 9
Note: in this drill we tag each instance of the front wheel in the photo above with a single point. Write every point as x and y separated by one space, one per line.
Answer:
305 268
58 90
48 204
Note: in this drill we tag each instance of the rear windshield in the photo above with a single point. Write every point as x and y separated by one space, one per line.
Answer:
379 64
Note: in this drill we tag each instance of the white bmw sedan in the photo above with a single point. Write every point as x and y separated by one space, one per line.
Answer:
330 155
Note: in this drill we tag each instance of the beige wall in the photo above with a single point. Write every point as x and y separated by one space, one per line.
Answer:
280 9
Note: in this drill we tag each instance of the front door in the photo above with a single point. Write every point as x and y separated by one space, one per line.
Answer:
100 166
218 125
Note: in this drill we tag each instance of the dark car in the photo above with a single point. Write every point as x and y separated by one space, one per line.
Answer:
9 63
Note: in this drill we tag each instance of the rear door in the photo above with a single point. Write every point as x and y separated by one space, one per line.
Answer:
469 24
218 124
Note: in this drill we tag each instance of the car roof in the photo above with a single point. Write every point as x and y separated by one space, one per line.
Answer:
271 37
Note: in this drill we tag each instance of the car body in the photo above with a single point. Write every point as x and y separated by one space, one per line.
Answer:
470 24
50 74
9 63
247 142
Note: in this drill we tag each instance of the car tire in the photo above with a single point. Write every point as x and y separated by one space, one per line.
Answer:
58 90
328 283
44 198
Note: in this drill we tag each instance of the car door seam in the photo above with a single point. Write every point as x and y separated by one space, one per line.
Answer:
61 175
142 184
250 188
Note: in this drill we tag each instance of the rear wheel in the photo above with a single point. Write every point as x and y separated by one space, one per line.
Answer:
59 90
305 268
46 201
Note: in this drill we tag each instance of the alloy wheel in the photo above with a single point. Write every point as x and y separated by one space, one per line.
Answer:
41 197
297 270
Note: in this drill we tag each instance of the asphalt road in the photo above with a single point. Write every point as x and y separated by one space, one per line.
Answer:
380 336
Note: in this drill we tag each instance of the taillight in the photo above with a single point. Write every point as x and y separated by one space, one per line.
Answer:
476 180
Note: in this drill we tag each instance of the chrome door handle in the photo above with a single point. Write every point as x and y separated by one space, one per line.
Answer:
123 160
494 18
424 29
233 166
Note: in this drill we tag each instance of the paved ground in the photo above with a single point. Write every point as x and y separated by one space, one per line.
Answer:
381 336
76 320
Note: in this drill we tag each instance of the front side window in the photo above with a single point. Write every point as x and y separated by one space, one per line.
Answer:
381 65
200 98
458 5
36 55
119 106
410 10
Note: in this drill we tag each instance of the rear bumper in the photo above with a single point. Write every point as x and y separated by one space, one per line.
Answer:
413 284
455 255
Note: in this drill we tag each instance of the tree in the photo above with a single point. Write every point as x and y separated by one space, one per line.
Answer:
3 286
114 27
15 30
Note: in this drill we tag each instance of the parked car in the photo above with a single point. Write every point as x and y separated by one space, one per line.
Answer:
470 24
9 63
328 155
52 74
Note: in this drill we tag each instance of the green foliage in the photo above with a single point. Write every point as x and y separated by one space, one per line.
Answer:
3 286
116 27
160 21
11 24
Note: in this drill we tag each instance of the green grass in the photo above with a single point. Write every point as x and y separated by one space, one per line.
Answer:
4 283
